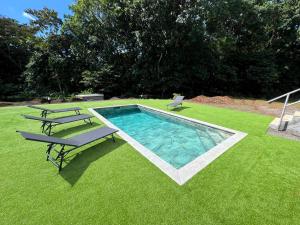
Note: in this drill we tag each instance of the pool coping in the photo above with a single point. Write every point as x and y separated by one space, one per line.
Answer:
183 174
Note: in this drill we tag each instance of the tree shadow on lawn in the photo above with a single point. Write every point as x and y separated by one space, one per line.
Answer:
77 165
178 109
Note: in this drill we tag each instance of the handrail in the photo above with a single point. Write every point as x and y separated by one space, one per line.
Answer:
281 96
293 103
287 96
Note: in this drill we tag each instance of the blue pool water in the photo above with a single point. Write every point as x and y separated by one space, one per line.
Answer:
176 141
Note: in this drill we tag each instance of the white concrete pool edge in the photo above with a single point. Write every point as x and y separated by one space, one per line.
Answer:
182 175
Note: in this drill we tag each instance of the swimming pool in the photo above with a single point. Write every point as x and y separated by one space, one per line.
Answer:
179 146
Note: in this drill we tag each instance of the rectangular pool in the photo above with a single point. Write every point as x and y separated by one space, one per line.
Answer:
175 141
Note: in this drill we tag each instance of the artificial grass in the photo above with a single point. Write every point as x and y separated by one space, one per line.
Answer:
255 182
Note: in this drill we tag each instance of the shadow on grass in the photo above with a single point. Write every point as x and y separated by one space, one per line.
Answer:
178 109
78 163
71 130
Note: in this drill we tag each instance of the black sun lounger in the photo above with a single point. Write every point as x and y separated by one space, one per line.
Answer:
75 142
48 124
46 111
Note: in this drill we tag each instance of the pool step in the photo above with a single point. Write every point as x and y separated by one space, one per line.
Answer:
210 139
294 129
205 140
296 118
291 123
286 120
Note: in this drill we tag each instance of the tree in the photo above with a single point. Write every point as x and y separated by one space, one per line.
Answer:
16 42
51 63
158 47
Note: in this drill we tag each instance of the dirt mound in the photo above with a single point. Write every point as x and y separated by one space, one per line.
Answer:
213 100
2 104
249 105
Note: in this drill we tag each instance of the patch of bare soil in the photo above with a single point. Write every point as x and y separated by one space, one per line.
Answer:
248 105
2 104
32 102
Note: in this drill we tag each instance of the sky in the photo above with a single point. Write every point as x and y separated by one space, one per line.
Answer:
15 8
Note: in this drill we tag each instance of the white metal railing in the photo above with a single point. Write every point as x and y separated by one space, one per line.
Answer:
287 97
293 103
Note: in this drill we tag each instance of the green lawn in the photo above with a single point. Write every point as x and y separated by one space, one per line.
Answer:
255 182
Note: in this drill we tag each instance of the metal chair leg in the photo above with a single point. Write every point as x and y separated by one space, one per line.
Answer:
49 128
61 155
60 163
61 152
43 126
50 146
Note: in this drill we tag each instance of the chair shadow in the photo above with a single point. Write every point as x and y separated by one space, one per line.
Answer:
72 130
178 109
79 162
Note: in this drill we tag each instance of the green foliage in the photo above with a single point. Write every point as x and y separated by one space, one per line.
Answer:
215 47
51 67
87 91
46 21
234 47
15 44
99 79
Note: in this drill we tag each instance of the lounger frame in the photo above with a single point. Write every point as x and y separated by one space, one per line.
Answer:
48 124
61 153
73 142
45 111
176 102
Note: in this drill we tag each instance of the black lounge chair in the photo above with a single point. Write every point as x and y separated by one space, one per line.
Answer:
176 102
75 142
46 111
48 124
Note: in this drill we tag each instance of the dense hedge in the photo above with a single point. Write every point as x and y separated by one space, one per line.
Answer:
158 47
